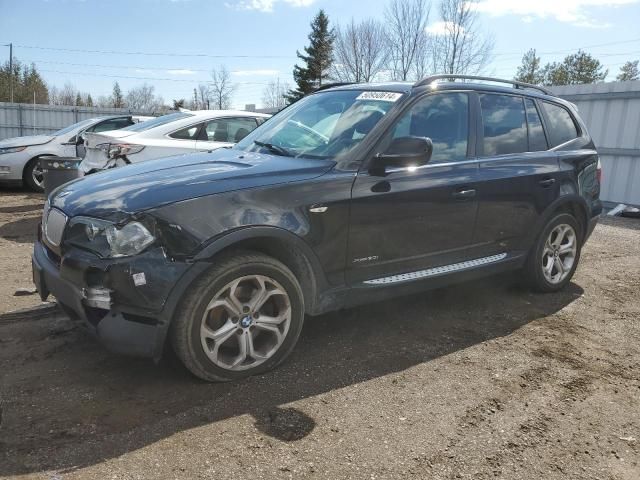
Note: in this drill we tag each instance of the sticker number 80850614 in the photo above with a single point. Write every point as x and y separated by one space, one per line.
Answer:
381 96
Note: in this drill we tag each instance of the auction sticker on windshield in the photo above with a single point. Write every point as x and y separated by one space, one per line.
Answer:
384 96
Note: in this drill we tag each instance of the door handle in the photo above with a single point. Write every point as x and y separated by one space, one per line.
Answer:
465 193
547 182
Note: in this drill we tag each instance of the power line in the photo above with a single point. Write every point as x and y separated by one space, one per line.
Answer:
206 55
155 54
573 49
130 67
192 80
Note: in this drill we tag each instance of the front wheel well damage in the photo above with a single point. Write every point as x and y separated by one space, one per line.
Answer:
284 252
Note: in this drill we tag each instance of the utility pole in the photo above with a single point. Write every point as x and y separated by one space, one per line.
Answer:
10 69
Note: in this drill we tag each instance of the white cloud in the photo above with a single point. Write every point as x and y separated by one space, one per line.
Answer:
266 5
181 71
575 12
251 73
440 28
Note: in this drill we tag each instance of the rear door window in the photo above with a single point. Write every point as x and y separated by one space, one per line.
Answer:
562 128
537 139
189 133
504 123
230 130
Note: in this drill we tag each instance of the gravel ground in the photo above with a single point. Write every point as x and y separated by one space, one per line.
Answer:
481 380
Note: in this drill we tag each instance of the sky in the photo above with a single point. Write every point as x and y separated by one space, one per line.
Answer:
174 44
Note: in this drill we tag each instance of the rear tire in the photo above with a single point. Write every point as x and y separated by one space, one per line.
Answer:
554 257
32 175
242 317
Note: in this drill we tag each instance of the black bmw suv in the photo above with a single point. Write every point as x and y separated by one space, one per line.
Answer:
353 194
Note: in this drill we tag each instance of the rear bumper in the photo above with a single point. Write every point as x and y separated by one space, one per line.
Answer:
130 330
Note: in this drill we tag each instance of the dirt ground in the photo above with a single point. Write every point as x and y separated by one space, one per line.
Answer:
482 380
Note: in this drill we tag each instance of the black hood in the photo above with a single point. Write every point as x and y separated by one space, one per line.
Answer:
117 193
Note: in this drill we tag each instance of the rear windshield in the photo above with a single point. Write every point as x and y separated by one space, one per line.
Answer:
156 122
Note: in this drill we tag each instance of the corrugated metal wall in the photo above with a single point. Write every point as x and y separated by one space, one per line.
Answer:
19 119
612 114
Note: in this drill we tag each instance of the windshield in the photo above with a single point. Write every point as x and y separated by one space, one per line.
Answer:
324 125
156 122
68 129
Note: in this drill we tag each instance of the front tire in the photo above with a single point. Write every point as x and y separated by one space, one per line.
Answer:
554 257
243 317
33 176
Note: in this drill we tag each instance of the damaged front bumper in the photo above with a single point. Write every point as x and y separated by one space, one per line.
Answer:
123 302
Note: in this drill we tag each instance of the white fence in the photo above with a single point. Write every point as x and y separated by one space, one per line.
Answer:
612 114
19 119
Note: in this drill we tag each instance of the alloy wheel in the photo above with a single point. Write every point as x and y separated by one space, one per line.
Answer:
559 253
246 322
37 174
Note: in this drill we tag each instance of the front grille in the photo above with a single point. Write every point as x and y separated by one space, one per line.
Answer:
54 223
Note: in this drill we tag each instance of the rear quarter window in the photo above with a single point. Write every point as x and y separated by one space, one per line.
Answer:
562 128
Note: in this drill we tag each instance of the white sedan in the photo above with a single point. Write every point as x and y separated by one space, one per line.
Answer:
19 157
173 134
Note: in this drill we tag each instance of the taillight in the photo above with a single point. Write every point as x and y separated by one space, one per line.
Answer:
599 171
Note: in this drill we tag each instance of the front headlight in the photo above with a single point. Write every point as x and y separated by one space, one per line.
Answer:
129 240
12 149
108 240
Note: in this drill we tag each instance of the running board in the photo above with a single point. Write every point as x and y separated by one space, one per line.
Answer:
432 272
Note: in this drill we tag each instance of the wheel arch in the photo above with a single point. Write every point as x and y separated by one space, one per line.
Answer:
280 244
573 204
36 157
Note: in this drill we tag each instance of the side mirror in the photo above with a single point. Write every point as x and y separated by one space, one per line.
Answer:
403 152
75 140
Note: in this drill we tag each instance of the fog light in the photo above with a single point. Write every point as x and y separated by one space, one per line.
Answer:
5 170
98 297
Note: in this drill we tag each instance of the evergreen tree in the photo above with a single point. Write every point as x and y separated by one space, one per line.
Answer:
577 68
89 101
530 71
629 71
117 98
79 102
317 58
25 80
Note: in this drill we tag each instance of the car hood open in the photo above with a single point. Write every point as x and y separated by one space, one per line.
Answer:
120 192
26 141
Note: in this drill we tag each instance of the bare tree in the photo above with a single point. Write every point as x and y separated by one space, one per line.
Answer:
67 94
203 96
142 97
461 47
359 52
274 94
104 101
406 22
221 88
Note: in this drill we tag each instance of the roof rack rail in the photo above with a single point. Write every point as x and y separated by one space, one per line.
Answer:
335 84
515 83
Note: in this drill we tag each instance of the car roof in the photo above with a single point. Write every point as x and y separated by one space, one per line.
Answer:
225 113
407 87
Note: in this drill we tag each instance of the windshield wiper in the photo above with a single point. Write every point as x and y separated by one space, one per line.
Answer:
274 148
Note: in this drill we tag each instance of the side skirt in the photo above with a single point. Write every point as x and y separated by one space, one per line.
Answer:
398 285
432 272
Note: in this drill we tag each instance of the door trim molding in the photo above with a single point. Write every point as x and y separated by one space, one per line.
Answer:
432 272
